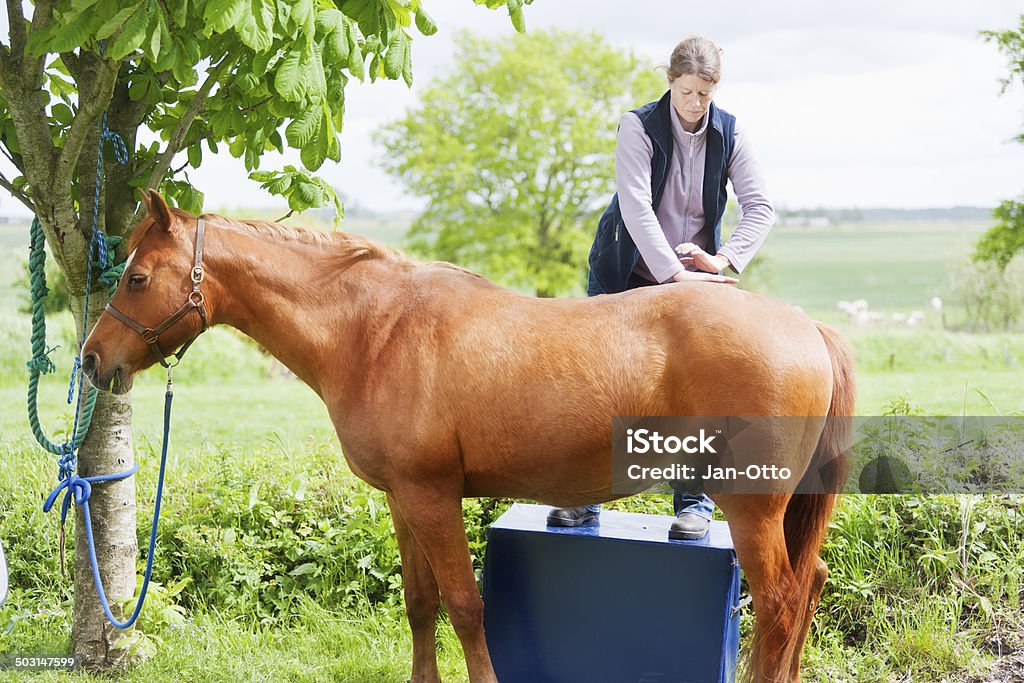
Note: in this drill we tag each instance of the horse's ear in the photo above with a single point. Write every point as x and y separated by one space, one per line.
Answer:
158 209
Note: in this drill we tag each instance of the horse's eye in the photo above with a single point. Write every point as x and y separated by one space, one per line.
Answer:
137 280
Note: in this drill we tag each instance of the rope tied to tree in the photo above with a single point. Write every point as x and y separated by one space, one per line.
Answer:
40 363
77 489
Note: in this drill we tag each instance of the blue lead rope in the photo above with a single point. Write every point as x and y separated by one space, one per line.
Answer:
77 490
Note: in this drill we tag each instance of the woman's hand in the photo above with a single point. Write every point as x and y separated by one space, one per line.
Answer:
691 276
690 254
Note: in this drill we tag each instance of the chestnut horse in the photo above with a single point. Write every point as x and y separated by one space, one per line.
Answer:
442 385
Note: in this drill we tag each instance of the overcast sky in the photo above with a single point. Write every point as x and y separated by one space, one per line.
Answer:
874 103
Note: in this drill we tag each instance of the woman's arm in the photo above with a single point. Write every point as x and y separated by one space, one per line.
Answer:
758 216
633 152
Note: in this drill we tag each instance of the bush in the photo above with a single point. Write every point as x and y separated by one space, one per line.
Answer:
992 296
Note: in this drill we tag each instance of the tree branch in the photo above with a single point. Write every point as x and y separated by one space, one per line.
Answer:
16 28
5 66
16 193
178 136
92 102
32 67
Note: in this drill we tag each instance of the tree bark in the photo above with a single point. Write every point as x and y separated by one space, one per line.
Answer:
107 449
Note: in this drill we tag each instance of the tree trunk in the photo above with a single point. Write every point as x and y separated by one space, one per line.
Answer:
107 449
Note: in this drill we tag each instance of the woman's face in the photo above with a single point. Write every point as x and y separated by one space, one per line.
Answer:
691 96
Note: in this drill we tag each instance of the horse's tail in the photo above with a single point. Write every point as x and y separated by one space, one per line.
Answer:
808 513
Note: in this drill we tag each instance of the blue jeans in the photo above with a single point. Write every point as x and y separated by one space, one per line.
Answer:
697 505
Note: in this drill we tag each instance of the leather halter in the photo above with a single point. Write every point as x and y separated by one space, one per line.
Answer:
151 335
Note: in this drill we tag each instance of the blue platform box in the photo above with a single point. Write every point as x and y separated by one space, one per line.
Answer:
618 603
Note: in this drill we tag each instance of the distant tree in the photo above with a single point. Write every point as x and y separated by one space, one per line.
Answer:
515 152
1006 238
245 76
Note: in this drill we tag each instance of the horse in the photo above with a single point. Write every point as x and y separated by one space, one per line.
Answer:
443 385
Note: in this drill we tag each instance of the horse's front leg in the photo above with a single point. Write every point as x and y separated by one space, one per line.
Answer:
421 600
435 518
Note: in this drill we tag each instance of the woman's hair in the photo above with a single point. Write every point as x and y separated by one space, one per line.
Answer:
696 56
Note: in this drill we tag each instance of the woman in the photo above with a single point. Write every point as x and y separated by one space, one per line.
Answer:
672 160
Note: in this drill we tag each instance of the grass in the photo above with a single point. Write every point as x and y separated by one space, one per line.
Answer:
357 646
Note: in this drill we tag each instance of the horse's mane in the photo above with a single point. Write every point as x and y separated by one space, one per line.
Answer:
346 248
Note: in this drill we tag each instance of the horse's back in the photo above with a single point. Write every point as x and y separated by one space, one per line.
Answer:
679 349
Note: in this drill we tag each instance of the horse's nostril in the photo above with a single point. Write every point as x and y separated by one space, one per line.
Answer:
90 363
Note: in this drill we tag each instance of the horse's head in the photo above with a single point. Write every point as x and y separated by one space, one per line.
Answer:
147 319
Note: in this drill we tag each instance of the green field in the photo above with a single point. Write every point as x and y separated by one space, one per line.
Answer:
254 459
896 267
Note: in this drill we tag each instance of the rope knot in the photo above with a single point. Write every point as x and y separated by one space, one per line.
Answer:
77 487
42 363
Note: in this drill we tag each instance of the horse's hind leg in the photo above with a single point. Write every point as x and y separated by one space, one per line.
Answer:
422 600
804 623
755 522
435 519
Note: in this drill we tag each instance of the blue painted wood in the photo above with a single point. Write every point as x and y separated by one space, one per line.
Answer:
618 603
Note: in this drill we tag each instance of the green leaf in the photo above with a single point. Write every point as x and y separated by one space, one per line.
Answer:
281 185
195 155
332 25
305 16
63 37
314 154
397 54
169 49
180 12
424 23
375 68
515 13
237 146
304 128
222 15
114 23
133 34
155 35
317 79
62 113
192 201
310 193
290 78
275 142
333 149
304 569
356 60
255 25
407 66
261 62
329 21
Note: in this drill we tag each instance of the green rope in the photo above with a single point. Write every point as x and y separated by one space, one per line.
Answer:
41 363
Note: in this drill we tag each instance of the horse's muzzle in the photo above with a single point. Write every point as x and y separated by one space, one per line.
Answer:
115 379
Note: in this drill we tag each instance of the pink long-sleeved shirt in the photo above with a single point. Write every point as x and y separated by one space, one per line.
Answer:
680 216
